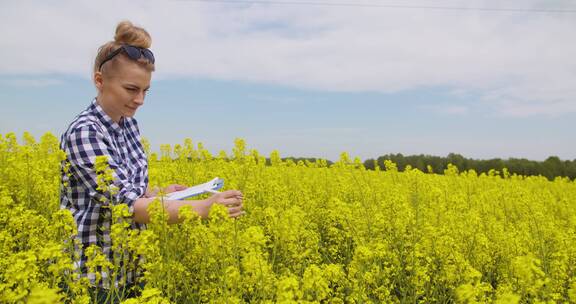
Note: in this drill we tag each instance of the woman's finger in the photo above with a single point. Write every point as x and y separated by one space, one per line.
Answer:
231 193
230 202
238 214
234 210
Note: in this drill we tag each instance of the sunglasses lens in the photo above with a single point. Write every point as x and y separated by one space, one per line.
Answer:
135 53
132 52
148 54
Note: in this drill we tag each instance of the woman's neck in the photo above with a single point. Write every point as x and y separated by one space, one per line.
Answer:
102 102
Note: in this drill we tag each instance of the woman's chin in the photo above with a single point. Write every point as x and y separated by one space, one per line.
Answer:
130 113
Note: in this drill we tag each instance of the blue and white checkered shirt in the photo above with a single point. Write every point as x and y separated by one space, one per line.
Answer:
93 133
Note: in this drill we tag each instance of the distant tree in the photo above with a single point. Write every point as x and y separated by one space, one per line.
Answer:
553 167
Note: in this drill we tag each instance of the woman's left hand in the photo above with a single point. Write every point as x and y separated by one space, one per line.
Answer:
174 188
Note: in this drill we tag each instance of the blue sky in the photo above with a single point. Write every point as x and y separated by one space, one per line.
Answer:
310 80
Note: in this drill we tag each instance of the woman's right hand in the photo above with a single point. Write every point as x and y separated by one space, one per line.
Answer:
231 199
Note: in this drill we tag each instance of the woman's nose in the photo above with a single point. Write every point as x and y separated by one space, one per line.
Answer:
139 99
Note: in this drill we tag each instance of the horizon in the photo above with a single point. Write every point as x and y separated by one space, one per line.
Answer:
156 150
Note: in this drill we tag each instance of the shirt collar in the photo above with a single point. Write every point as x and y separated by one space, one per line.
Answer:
110 124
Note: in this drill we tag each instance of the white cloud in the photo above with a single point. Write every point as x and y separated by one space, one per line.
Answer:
521 64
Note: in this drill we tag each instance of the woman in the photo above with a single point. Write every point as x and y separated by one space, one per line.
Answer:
122 73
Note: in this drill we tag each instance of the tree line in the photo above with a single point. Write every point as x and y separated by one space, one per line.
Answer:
552 167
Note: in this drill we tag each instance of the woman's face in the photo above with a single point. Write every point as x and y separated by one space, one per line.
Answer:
122 91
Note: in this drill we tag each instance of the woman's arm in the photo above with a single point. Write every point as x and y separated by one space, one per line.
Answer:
172 188
232 199
141 215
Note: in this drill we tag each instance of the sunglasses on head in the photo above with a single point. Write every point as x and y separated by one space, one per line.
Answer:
133 53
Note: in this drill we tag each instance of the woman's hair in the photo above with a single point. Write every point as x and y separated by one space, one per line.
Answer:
126 33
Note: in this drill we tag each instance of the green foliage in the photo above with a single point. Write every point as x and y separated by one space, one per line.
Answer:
551 168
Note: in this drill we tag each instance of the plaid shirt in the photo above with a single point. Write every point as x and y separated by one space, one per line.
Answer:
93 133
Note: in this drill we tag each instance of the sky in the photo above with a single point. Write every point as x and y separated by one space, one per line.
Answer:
484 79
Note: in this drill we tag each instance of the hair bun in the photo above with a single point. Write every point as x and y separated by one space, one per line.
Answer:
127 33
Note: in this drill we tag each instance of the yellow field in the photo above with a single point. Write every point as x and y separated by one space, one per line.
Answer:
312 233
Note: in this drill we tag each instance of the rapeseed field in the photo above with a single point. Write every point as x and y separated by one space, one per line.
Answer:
312 233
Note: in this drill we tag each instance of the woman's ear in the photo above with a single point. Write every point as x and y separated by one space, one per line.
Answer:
98 81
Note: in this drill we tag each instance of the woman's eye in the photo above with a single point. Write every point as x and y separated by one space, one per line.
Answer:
131 89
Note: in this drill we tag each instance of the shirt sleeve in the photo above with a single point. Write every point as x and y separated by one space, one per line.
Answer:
82 147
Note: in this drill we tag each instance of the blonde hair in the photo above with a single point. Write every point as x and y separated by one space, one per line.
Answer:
126 33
